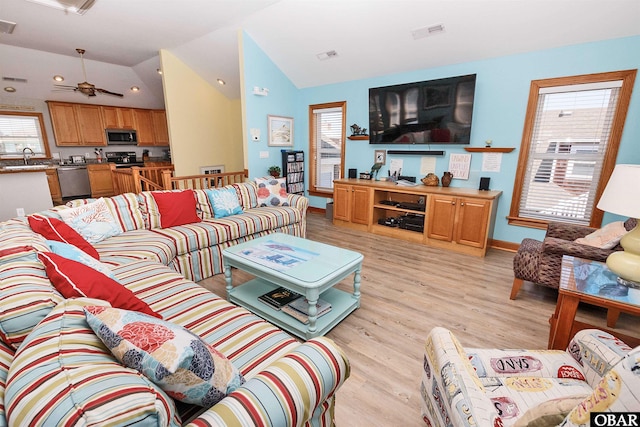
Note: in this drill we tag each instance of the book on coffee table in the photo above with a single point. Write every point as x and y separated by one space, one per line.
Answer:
279 297
299 309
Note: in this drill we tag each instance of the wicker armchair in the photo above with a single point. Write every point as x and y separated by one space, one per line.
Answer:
539 262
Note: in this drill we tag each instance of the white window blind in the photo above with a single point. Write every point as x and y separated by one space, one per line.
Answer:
568 143
328 128
18 132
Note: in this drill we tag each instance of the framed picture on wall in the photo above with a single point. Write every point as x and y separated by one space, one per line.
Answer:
280 131
380 156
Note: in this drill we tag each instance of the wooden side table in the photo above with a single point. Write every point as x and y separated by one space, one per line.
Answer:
593 283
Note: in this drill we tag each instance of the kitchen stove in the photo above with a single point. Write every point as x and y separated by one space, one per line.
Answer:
123 159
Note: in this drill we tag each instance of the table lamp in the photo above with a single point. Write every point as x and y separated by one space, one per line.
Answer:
621 196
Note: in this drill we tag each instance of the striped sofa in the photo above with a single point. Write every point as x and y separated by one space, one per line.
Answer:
195 250
55 371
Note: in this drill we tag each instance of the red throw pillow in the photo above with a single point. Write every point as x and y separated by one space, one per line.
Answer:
176 207
74 279
54 229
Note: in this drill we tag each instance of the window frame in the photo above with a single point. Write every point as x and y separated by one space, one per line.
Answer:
627 77
313 190
43 132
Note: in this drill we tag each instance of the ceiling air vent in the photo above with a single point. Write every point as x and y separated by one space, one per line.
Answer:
7 27
423 32
14 79
327 55
75 6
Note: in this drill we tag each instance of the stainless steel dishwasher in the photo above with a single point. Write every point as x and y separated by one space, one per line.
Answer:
74 181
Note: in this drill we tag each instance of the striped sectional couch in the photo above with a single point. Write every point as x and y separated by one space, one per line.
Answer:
54 370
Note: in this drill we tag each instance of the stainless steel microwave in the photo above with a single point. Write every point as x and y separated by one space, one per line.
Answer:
121 137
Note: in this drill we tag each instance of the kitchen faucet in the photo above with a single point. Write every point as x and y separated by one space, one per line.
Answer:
27 156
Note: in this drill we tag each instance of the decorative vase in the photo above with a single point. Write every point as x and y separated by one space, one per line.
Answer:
446 179
275 174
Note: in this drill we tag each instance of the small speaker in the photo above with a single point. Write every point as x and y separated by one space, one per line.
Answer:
353 173
484 183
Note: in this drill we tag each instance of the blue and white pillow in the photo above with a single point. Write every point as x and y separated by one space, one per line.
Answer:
92 221
224 202
73 253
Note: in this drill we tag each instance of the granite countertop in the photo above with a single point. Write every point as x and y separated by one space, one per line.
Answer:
25 168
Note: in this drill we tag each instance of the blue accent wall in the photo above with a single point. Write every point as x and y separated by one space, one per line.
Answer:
260 71
502 90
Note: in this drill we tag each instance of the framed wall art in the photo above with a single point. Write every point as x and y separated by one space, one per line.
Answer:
280 131
380 156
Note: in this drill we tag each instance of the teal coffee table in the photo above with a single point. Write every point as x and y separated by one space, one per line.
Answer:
300 265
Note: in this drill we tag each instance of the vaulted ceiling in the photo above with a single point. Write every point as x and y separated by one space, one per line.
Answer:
369 37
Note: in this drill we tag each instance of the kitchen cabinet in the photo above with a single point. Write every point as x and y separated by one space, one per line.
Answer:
65 123
54 186
76 124
461 220
117 118
351 205
457 219
144 126
91 128
100 180
160 129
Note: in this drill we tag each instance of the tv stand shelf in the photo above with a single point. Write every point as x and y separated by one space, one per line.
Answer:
459 219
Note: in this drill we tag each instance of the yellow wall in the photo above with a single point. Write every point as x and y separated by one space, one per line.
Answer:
205 127
237 133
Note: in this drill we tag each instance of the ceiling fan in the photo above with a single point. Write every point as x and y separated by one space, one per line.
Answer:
86 87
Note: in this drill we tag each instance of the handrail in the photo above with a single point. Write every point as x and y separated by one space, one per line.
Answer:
137 179
203 181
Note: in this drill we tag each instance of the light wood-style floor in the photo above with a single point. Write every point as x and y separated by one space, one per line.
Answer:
407 289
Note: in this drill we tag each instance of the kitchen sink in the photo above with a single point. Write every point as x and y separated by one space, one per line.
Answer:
24 167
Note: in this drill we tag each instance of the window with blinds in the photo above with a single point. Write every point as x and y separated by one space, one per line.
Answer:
567 141
22 130
327 136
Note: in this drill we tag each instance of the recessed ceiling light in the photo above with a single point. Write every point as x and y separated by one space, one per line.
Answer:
159 71
327 55
10 89
135 89
58 78
221 82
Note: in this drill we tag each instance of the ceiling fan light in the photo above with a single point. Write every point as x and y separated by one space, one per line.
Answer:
58 78
135 89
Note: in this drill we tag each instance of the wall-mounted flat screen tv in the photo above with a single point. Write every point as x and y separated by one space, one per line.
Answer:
429 112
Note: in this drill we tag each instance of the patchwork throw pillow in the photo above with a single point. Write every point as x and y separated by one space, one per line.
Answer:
93 221
74 279
224 202
176 207
606 237
54 229
180 362
272 191
73 253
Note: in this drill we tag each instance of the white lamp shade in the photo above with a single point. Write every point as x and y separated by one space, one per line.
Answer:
622 193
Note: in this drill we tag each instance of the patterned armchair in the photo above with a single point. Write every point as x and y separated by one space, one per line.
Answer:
463 387
539 262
